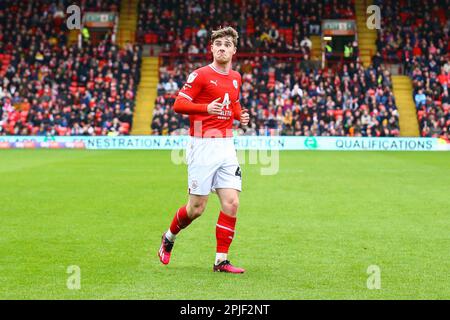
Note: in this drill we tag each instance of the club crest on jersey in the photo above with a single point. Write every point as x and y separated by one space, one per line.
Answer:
235 84
192 77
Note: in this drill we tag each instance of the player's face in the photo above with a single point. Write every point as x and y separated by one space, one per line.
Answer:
223 49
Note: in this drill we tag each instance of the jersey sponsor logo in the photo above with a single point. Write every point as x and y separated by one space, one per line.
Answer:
226 101
192 77
235 83
213 81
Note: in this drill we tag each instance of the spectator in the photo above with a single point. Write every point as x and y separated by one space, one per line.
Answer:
420 99
171 86
306 42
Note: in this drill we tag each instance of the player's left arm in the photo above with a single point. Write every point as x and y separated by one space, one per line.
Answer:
239 113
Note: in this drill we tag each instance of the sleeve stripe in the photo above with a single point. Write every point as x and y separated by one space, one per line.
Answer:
184 95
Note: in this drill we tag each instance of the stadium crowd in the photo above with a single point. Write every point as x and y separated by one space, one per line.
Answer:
419 40
49 88
284 98
263 25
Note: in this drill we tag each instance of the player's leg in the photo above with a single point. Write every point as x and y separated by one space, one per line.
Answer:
227 187
201 172
225 227
185 215
183 218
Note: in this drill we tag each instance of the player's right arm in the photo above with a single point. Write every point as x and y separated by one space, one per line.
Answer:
185 106
184 102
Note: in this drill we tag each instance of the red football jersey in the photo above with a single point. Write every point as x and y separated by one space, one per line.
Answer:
205 85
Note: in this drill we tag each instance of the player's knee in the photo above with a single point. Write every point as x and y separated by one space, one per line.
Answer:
196 209
231 206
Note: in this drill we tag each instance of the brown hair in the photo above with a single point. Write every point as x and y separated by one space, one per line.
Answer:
225 32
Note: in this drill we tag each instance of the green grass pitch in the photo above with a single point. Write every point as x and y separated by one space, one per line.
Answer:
309 232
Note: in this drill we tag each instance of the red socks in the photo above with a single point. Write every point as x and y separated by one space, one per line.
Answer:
224 228
180 221
224 232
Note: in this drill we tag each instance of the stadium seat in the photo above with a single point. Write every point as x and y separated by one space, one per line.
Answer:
404 16
338 113
124 128
147 38
23 116
420 114
62 131
271 82
289 36
90 85
187 33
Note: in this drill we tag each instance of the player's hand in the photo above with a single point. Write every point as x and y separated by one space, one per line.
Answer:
245 117
215 107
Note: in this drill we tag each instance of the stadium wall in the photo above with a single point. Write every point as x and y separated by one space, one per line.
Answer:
241 143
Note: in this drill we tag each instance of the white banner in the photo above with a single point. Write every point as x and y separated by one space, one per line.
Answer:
241 143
